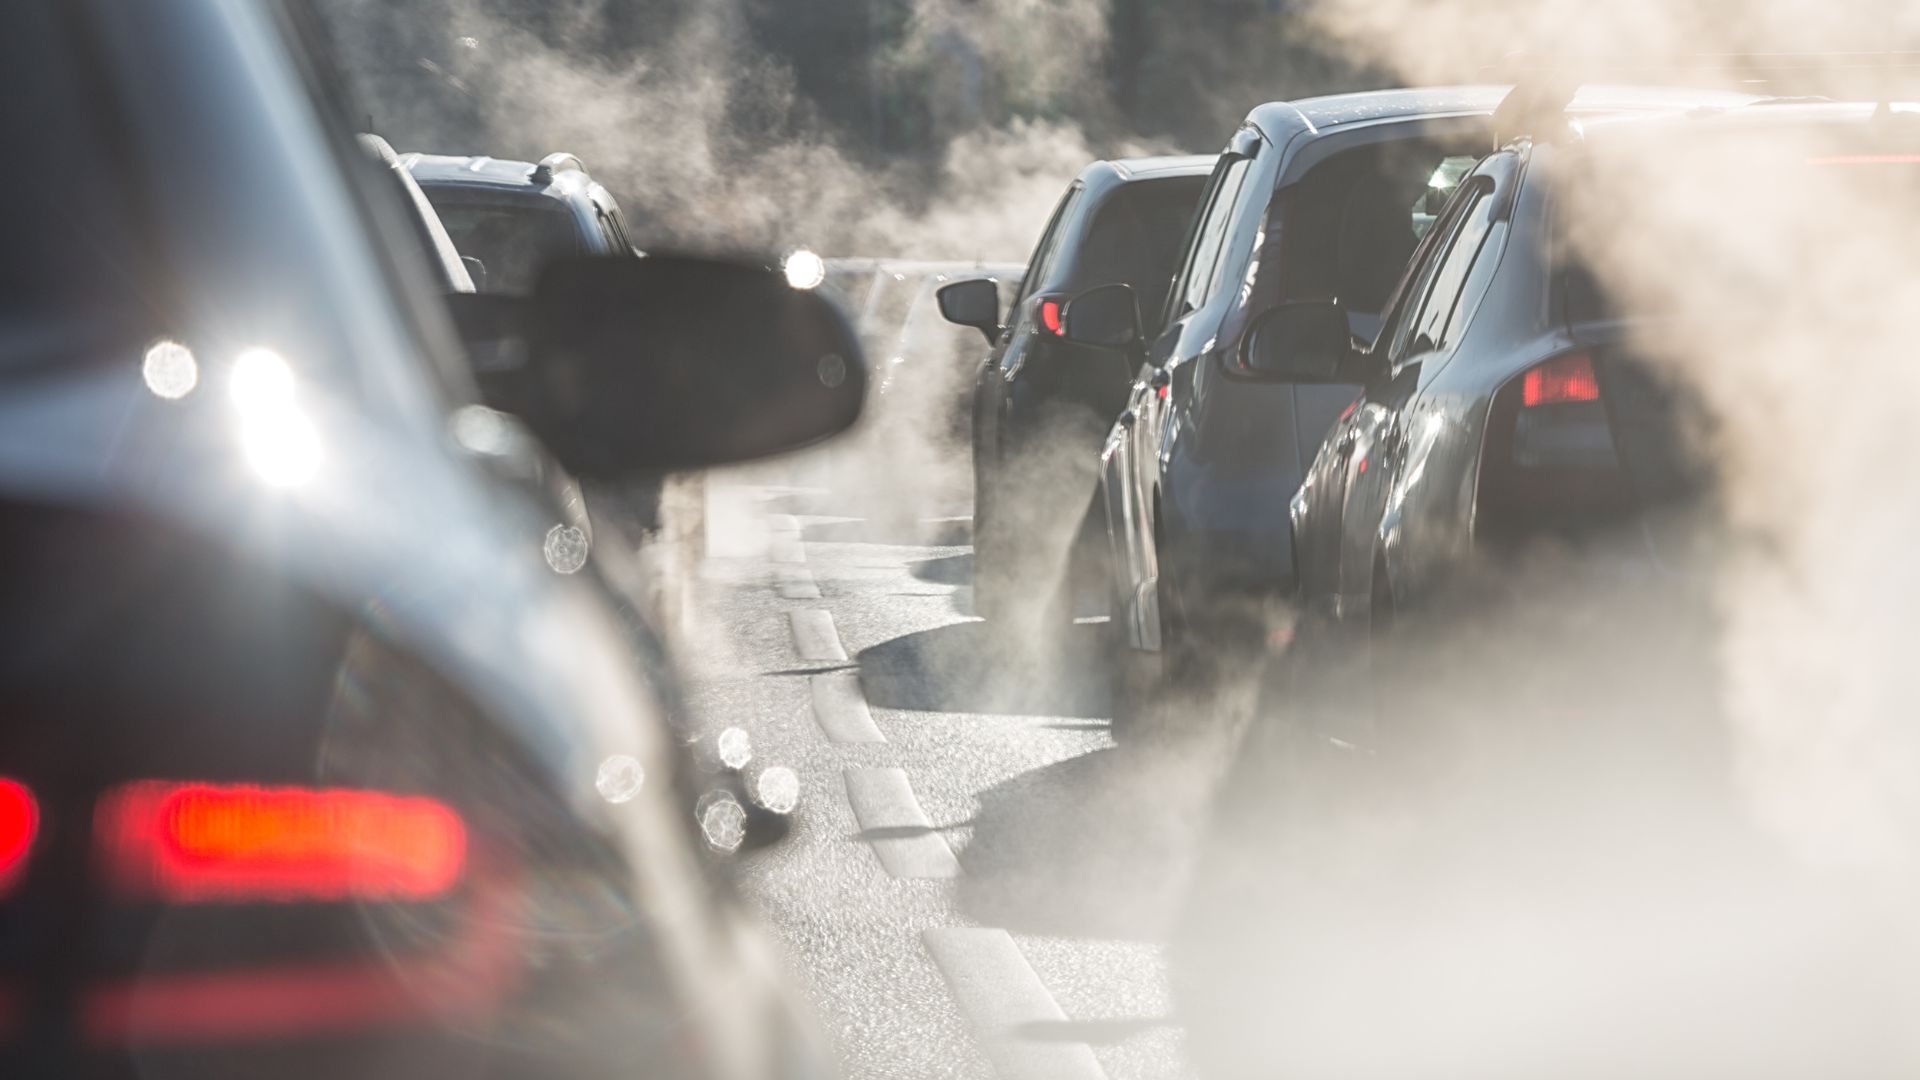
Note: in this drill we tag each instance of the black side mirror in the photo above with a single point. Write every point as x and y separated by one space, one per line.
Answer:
974 302
667 362
1306 341
1106 318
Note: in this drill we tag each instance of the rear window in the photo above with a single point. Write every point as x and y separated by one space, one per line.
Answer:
1352 223
512 239
72 261
1136 238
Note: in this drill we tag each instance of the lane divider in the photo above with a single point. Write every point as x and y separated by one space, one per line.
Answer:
841 709
814 636
795 583
891 820
999 993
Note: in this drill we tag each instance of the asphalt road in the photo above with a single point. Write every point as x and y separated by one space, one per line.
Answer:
980 882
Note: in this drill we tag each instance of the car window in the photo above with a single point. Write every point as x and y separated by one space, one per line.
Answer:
1349 226
72 263
1198 279
1451 273
1404 305
511 239
1135 238
1049 246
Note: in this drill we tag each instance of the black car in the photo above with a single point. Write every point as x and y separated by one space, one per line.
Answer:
313 765
1040 402
1316 200
512 216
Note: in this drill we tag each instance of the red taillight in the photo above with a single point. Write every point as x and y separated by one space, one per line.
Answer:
1561 381
1050 318
200 842
19 823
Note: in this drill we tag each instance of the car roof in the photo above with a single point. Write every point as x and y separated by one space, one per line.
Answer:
1762 114
1335 110
491 173
1153 168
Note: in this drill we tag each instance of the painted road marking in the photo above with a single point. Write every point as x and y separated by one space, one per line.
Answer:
999 993
901 834
814 637
841 709
795 583
788 550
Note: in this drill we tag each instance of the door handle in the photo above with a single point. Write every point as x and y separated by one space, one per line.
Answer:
1160 378
1127 418
1344 444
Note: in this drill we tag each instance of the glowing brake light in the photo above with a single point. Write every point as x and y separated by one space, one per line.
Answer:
1050 318
19 823
205 842
1562 381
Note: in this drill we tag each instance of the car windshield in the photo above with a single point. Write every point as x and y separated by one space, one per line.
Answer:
512 239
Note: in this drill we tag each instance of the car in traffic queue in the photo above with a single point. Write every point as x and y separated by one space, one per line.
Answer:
1041 404
313 766
1324 198
512 216
1510 402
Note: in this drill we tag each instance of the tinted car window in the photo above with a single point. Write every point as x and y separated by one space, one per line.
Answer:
1450 277
511 239
1197 281
1048 248
1404 305
70 260
1136 238
1350 225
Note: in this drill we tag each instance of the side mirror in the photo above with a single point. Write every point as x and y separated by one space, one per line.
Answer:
1106 318
974 302
1306 341
667 362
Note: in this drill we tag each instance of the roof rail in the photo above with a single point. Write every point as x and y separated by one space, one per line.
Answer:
554 163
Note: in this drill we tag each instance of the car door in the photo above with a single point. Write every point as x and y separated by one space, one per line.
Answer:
1008 355
1375 437
1319 507
1134 455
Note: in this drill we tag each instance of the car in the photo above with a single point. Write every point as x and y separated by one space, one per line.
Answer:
1509 401
1314 199
1522 711
511 216
507 219
1041 404
314 765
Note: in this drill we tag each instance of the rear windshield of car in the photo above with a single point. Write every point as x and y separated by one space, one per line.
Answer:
512 239
1136 238
74 265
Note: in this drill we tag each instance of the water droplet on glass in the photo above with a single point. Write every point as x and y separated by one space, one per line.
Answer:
565 549
723 821
735 748
832 370
170 370
778 789
619 778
